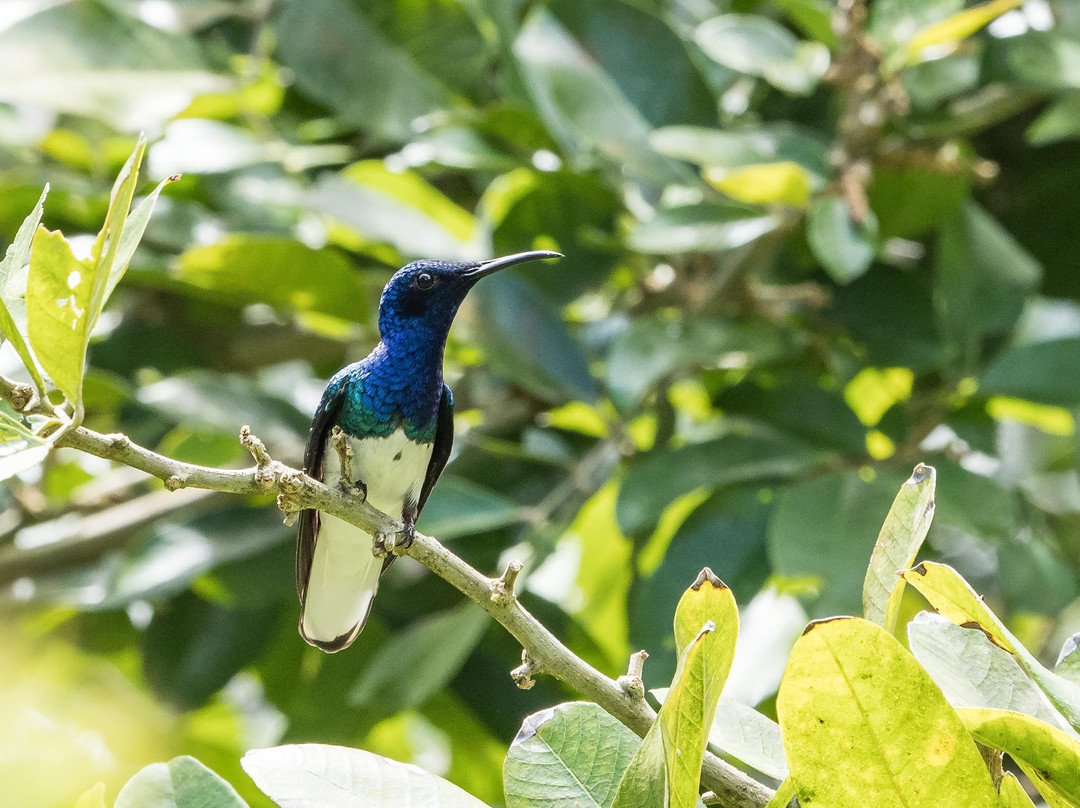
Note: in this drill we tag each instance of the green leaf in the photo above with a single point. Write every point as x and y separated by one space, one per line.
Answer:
785 793
1045 372
342 60
419 661
570 754
672 750
581 105
281 272
974 672
702 227
65 296
758 46
958 26
525 340
133 230
649 486
460 508
844 247
183 782
745 734
951 595
1045 753
1012 793
891 738
903 533
318 776
13 287
981 277
1059 121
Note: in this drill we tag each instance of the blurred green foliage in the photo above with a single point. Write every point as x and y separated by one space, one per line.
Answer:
799 260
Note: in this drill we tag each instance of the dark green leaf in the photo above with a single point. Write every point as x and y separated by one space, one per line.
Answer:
1046 372
844 247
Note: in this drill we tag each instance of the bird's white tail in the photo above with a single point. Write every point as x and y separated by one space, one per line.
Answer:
341 587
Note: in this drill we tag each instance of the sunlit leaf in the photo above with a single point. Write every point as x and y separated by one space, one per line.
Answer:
1068 662
13 287
974 672
1012 793
958 26
316 776
1045 753
905 528
951 595
705 227
785 183
570 754
892 739
183 782
92 798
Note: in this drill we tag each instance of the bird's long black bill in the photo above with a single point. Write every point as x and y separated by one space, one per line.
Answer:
495 264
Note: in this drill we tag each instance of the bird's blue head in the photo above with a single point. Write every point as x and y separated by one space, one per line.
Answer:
421 299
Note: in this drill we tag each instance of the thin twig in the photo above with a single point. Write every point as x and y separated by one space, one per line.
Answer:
542 650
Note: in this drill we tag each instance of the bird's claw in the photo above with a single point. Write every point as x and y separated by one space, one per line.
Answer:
406 538
357 490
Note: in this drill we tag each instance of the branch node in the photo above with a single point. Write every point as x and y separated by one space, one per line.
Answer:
631 682
523 674
174 482
118 441
383 545
256 447
21 397
502 588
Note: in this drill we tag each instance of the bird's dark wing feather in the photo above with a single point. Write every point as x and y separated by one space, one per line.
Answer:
444 442
308 522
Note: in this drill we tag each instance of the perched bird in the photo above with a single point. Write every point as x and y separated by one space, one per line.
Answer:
396 417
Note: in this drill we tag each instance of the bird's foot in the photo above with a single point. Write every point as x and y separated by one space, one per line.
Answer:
405 538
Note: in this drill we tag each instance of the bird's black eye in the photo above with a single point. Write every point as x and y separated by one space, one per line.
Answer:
425 280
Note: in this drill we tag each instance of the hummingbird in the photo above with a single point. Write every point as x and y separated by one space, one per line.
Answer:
397 416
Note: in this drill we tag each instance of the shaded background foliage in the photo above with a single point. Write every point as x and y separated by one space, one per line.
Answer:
785 283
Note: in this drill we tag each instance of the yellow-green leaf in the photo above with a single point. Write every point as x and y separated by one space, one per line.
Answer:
785 182
905 528
1045 753
10 268
951 595
58 301
863 724
784 794
92 798
666 769
959 26
1012 793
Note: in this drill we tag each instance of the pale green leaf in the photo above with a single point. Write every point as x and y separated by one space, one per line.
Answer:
905 528
13 286
974 672
571 754
844 247
319 776
1046 754
758 46
132 234
1068 661
863 724
183 782
951 595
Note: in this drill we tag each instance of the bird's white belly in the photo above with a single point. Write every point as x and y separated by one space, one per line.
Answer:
393 469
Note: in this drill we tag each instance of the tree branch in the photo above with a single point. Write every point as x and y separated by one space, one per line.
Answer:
542 650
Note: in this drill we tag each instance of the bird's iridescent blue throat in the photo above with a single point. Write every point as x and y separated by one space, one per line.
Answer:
400 383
